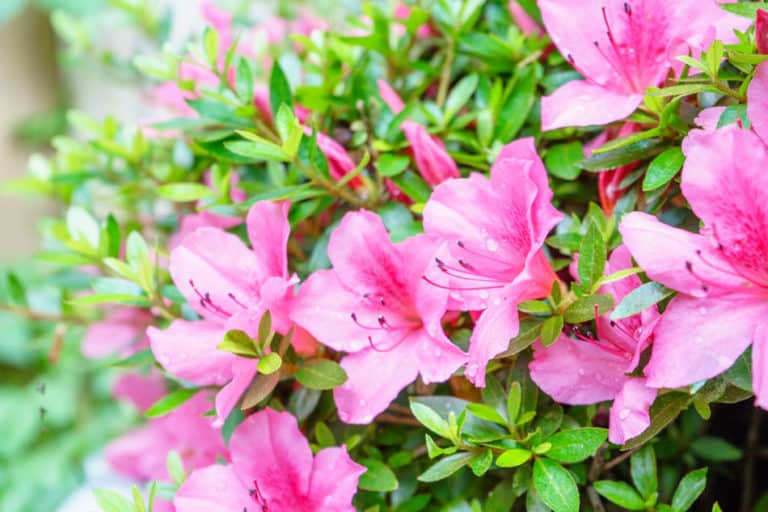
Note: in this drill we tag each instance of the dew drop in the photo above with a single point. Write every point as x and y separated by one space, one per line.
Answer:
483 294
581 371
471 370
455 295
703 311
624 414
492 245
699 339
363 403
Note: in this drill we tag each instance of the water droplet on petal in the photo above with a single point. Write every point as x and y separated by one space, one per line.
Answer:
581 371
363 403
455 295
624 414
496 301
699 339
483 294
471 370
703 311
492 245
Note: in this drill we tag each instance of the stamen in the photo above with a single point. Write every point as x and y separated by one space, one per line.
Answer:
455 288
390 348
382 321
259 498
206 302
460 273
234 299
462 245
627 8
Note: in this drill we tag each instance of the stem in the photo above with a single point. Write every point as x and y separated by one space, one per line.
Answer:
618 460
750 447
594 473
445 74
27 313
398 420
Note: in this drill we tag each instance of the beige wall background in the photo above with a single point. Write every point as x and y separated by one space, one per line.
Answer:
28 84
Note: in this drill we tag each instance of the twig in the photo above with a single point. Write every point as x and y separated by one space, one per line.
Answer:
42 317
594 473
750 447
445 75
398 420
618 460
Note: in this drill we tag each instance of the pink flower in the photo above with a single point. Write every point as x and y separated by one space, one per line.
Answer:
375 305
120 333
621 48
142 453
432 160
403 12
522 19
590 369
494 229
141 390
273 470
761 31
230 287
721 273
757 101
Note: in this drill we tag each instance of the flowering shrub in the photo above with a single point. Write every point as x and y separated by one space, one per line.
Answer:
340 265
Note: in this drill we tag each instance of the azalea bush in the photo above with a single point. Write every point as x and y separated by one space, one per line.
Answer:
440 255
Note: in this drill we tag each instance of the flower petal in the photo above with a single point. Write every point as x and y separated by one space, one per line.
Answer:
760 365
757 101
334 480
188 351
493 330
432 160
243 372
579 103
268 232
699 338
212 489
630 411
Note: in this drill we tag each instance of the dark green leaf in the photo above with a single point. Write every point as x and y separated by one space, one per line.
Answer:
445 467
378 478
643 470
555 485
430 419
551 329
640 299
663 168
583 310
616 158
689 489
620 493
562 160
170 402
390 165
592 254
664 410
321 374
481 462
570 446
715 449
279 89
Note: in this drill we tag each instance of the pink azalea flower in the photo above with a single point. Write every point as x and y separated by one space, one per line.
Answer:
720 273
120 333
273 470
230 287
761 31
375 305
432 160
591 369
494 229
757 101
140 390
527 25
142 453
622 48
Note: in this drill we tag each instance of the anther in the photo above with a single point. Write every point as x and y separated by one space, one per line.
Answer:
627 8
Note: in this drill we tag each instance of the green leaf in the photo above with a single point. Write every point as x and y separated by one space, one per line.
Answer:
270 363
430 419
110 501
680 90
689 489
244 80
518 106
640 299
265 328
112 231
259 389
460 95
576 445
513 457
378 478
715 449
740 374
211 45
663 168
620 493
445 467
16 292
279 89
747 9
514 400
643 470
257 150
390 165
626 155
562 160
170 402
555 485
481 463
583 310
529 331
238 342
592 254
183 192
664 410
485 412
321 374
324 435
175 467
551 329
413 186
82 226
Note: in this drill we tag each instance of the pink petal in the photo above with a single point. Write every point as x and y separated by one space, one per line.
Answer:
579 103
268 449
205 219
699 338
527 25
334 480
439 358
496 326
710 117
760 365
761 33
432 160
188 351
243 372
212 489
630 411
139 389
268 232
390 97
577 372
666 253
374 380
724 179
757 101
323 307
120 333
214 262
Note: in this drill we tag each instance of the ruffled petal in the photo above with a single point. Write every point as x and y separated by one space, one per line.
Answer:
334 480
630 411
579 103
212 489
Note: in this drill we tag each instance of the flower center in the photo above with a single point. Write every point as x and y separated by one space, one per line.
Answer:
209 305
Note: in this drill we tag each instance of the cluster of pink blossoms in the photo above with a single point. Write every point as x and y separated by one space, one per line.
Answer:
384 305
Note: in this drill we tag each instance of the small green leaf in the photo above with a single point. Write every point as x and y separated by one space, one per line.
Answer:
321 374
183 192
592 255
620 493
643 471
460 95
259 389
562 160
583 310
529 331
238 342
485 412
622 156
378 478
663 168
324 435
747 10
513 457
555 485
270 363
514 400
257 150
551 329
244 80
445 467
715 449
640 299
430 419
576 445
279 89
175 467
170 402
110 501
211 45
481 463
390 165
689 489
